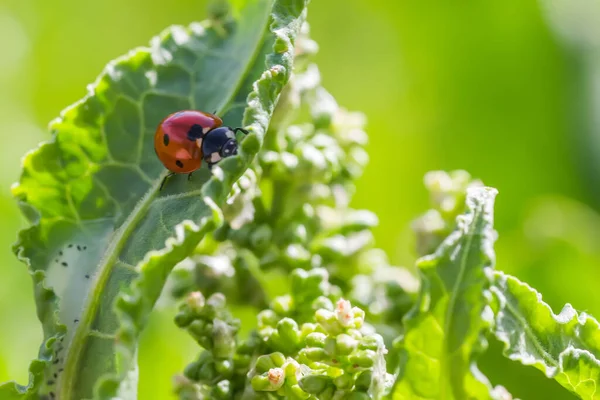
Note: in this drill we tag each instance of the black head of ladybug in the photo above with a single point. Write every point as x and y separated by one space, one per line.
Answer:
219 143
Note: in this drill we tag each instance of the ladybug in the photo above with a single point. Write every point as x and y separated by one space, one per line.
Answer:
185 138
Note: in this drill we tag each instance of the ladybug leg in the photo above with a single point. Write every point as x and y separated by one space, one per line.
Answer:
241 130
165 179
190 176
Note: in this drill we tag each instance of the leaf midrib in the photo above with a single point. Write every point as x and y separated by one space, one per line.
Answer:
75 350
445 384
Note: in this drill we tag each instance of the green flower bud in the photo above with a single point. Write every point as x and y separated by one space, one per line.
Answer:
330 345
359 317
222 390
186 389
267 332
282 305
316 339
195 301
288 331
328 321
322 302
328 393
314 384
261 383
343 382
354 333
206 372
266 362
267 318
345 344
370 342
224 367
199 329
192 370
183 318
363 381
308 328
242 361
215 303
270 382
314 354
363 358
296 392
223 337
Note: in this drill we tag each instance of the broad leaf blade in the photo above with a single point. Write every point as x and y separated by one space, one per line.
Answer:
444 329
565 347
92 194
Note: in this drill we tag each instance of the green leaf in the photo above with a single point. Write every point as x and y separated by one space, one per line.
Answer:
565 347
100 228
444 329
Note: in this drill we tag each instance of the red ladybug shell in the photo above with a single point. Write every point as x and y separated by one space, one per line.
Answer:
174 149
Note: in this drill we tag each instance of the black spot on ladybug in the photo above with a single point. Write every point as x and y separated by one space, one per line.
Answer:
179 163
87 276
166 139
195 132
64 264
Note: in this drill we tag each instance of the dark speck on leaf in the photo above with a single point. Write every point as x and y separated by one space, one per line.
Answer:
79 247
52 394
69 246
84 247
60 253
50 382
87 276
56 361
76 320
64 264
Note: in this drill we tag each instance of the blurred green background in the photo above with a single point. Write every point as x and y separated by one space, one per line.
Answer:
492 87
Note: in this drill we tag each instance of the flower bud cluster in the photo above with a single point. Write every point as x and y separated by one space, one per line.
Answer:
328 357
215 373
289 215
